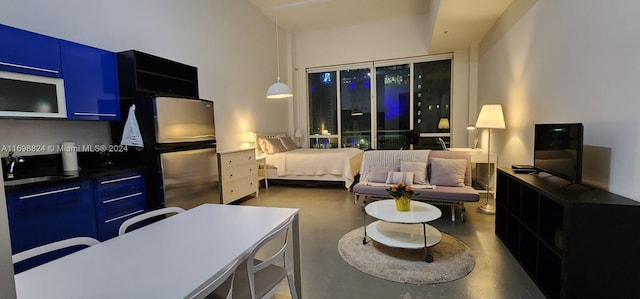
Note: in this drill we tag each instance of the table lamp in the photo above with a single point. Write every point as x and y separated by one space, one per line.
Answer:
443 124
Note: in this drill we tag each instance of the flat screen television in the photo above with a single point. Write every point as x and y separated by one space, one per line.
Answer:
558 150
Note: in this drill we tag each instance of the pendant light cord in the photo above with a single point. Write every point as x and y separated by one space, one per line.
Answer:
277 49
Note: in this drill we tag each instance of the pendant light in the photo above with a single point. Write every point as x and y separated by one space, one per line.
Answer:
278 90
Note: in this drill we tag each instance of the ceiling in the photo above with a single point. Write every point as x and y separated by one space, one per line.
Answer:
459 23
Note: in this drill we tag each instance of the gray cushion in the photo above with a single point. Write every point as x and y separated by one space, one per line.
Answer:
448 172
396 177
453 155
419 170
379 174
458 194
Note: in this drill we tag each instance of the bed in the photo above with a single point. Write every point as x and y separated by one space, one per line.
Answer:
285 161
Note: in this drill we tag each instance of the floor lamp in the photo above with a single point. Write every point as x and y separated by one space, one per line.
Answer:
490 117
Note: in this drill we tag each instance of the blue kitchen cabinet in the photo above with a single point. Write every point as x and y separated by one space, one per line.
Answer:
42 215
29 53
90 82
118 198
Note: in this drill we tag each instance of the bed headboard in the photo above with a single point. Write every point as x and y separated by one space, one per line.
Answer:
271 135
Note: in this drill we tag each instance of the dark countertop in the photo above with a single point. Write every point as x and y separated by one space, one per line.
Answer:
62 178
91 165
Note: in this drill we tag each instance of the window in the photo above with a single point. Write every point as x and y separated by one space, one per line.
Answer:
393 99
355 107
432 97
377 113
323 108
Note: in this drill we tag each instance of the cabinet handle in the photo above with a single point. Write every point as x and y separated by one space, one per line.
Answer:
123 216
49 192
26 67
94 114
119 180
121 197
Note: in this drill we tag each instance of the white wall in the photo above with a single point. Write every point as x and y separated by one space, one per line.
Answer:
568 61
388 39
230 42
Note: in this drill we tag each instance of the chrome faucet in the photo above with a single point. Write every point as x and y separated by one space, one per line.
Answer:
11 162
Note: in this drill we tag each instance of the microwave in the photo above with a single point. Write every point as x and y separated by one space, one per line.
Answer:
23 95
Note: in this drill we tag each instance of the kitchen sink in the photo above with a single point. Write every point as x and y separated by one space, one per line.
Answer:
33 180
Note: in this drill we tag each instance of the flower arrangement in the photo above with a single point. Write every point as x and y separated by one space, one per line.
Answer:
400 190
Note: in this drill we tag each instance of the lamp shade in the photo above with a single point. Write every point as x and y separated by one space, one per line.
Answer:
279 90
491 117
248 137
443 124
298 133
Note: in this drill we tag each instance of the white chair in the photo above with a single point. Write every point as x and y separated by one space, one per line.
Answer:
33 252
260 279
147 215
221 284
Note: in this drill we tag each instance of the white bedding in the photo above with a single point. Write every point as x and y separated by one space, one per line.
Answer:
340 162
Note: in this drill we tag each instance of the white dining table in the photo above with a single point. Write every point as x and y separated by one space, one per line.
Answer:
171 258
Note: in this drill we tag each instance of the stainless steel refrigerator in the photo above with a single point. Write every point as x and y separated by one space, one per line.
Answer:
179 151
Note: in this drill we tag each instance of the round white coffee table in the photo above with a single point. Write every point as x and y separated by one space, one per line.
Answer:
403 229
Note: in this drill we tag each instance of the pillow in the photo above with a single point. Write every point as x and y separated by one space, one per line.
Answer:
379 175
272 146
419 170
395 177
288 143
262 144
448 172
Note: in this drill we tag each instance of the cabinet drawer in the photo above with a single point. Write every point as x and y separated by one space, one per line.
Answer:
237 158
109 207
238 188
108 227
115 186
236 173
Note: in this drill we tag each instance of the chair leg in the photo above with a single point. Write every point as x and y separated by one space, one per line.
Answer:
453 213
292 286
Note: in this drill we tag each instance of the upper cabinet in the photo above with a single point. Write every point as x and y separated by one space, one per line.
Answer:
142 73
29 53
90 82
89 76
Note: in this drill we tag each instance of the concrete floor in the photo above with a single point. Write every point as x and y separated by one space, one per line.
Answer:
328 212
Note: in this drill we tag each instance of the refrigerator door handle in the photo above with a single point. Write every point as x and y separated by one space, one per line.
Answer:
182 138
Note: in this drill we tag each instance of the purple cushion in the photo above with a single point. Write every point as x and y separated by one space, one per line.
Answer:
466 193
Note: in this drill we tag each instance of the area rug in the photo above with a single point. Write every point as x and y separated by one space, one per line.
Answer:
452 259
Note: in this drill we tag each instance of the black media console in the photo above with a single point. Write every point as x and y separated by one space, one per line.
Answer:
574 242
